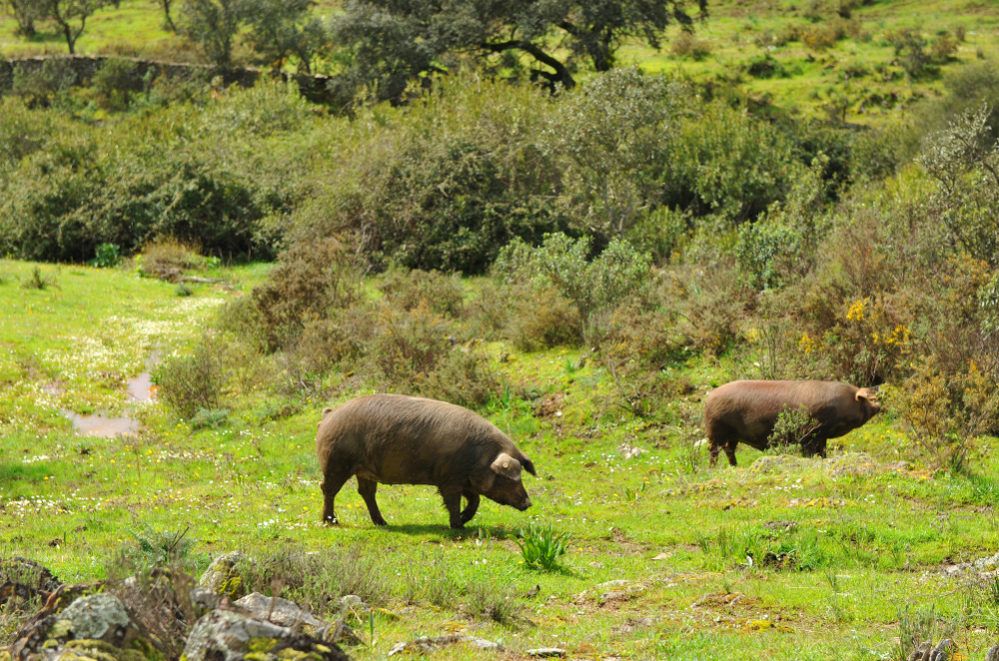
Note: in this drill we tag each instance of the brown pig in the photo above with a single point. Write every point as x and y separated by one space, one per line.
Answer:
747 411
395 439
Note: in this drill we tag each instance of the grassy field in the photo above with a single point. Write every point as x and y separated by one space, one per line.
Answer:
781 557
857 76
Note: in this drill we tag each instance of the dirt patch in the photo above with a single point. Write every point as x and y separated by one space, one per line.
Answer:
741 611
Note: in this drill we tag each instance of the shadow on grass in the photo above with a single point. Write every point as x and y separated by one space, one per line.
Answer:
443 530
22 473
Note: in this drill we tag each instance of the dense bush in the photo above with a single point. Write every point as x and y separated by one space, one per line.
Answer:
309 283
441 294
594 286
191 176
197 381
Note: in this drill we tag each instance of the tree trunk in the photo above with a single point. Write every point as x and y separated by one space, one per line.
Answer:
167 18
559 75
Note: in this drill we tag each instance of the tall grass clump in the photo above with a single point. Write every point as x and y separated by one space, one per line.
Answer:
542 547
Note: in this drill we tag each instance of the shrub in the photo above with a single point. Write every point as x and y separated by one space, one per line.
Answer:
416 351
317 581
167 259
542 547
440 293
42 86
966 166
910 49
308 283
820 37
491 601
593 286
765 66
944 48
794 428
114 84
711 302
610 141
107 255
195 382
641 345
661 233
445 183
541 318
724 161
686 44
943 413
765 251
38 280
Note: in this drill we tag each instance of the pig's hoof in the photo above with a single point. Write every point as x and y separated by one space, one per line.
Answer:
380 522
331 521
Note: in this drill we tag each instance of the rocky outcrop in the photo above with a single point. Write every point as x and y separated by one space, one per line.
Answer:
92 624
222 576
225 635
159 615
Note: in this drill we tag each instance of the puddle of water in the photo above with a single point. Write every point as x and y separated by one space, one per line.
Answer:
139 389
102 426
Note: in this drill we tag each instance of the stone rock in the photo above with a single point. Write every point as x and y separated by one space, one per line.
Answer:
426 645
225 635
630 451
984 567
25 579
204 600
944 651
859 464
778 463
992 654
287 613
547 653
353 602
94 626
222 576
279 611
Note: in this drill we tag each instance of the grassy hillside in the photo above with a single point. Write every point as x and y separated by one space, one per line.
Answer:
781 557
800 55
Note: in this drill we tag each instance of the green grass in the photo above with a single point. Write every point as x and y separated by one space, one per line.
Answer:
858 75
781 557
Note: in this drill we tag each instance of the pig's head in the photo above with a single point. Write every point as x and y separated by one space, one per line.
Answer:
867 398
501 481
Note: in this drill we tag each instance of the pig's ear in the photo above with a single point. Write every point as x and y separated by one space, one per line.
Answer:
506 466
529 466
864 393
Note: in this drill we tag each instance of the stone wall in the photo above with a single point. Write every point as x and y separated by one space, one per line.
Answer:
314 88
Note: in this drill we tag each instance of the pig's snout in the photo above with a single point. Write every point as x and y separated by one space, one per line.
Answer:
524 504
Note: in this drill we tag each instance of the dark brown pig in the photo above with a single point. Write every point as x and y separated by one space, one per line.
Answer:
747 411
394 439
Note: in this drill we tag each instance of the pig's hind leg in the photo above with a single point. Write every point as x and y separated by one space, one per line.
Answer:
333 480
720 437
367 489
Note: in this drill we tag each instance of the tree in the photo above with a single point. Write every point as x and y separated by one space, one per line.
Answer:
166 6
212 25
70 16
280 29
25 13
394 41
